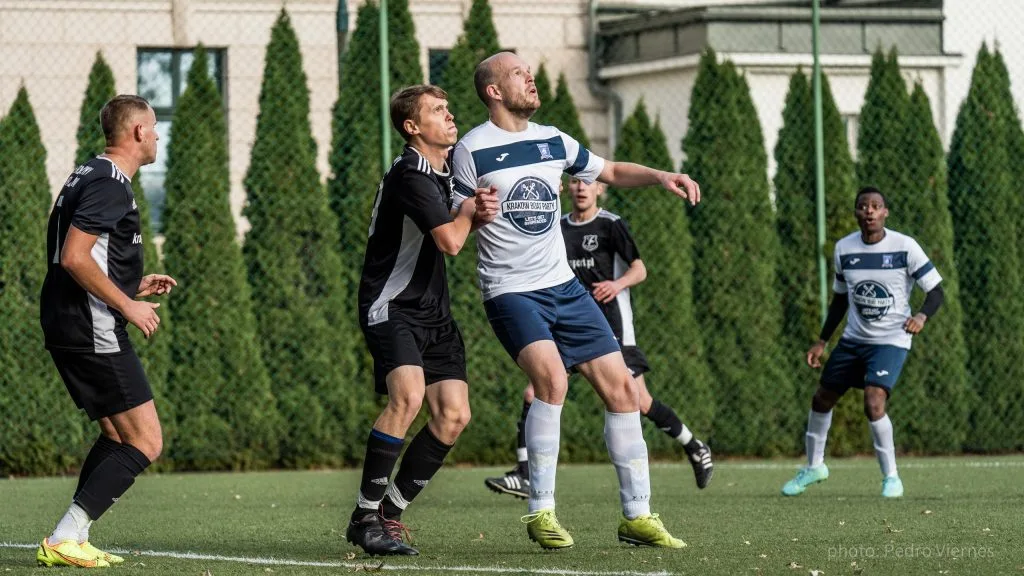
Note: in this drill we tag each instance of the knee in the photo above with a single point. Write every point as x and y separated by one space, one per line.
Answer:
552 389
152 445
406 404
453 420
625 396
874 405
824 400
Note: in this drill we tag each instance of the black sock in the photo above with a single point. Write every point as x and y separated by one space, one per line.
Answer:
101 449
381 454
112 477
665 419
522 466
422 460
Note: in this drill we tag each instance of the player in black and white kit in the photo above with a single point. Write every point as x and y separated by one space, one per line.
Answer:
93 279
406 319
605 258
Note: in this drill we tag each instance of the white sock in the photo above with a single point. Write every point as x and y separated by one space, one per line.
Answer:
685 436
363 502
396 496
543 432
74 523
521 454
818 424
881 433
628 451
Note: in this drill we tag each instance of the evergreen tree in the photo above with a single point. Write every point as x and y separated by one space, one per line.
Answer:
226 412
478 40
1014 136
294 266
981 188
882 124
796 203
98 92
934 395
658 220
36 435
735 299
563 114
543 84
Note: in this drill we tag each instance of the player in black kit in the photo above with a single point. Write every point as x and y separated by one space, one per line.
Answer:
93 280
404 313
605 258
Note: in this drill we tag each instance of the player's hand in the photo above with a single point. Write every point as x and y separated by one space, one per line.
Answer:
681 185
142 315
814 354
915 323
606 291
155 284
486 200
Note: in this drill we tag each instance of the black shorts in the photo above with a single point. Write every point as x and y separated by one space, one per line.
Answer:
103 384
439 351
635 360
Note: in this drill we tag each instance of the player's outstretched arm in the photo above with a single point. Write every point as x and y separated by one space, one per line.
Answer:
630 175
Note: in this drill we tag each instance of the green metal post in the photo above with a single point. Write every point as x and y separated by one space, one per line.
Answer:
385 90
819 160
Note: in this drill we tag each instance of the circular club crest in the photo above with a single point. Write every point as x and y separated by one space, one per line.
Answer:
531 206
872 300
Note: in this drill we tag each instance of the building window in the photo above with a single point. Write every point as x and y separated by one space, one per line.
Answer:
437 59
162 78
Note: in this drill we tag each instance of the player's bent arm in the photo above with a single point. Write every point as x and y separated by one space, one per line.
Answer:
836 311
933 301
635 274
451 237
76 258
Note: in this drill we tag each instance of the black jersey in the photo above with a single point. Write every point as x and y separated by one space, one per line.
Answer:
97 199
602 249
403 270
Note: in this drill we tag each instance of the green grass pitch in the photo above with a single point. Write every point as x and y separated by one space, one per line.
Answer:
959 516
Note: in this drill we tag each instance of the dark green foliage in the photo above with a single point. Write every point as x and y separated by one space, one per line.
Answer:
298 288
227 415
796 206
882 125
983 199
38 437
736 250
563 114
664 302
97 93
935 399
478 40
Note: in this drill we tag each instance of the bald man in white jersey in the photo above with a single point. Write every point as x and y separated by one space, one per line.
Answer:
544 318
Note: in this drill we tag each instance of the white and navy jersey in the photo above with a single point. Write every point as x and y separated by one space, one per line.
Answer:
403 271
879 278
602 249
97 199
522 250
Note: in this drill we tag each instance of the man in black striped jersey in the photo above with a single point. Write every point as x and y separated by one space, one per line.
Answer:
604 256
406 319
90 294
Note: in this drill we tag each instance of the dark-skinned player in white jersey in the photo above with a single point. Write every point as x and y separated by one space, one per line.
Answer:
606 260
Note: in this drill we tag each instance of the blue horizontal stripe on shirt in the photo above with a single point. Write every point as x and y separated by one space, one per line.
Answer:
874 261
928 267
463 190
582 159
522 153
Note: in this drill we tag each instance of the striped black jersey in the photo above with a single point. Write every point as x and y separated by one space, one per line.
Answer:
97 199
403 270
602 249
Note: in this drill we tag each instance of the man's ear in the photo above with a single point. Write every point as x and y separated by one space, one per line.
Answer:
410 126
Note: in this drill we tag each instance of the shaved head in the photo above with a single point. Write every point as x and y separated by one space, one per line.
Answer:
489 72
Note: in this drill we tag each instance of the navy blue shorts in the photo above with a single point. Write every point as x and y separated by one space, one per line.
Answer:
566 314
855 365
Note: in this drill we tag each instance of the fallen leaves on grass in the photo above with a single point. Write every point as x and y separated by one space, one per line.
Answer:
350 556
793 566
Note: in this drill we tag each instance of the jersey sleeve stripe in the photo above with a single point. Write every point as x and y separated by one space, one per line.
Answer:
582 159
840 278
928 267
463 190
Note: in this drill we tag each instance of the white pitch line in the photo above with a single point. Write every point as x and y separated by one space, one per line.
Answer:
363 565
849 465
